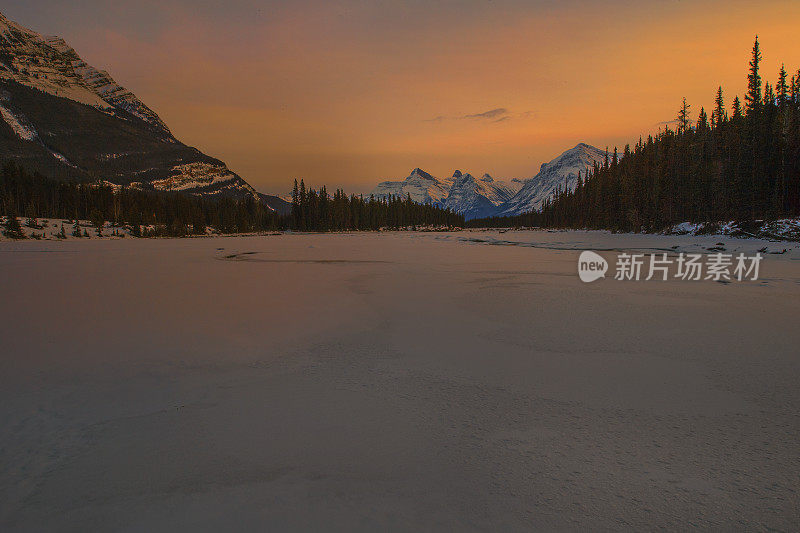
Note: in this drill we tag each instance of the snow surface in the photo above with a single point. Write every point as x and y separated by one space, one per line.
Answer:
194 175
782 229
392 381
20 125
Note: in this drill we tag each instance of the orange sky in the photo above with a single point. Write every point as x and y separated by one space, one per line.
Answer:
349 94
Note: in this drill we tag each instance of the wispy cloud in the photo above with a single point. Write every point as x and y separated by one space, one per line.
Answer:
499 114
491 114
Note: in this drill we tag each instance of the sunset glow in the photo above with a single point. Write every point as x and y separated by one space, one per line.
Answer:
355 93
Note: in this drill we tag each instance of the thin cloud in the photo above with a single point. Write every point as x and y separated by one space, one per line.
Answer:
499 114
492 113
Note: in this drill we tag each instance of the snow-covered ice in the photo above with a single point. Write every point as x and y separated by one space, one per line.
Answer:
393 381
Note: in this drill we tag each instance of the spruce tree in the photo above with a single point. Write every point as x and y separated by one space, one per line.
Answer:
702 121
782 88
683 117
13 229
295 206
769 95
97 221
753 97
303 199
737 107
718 115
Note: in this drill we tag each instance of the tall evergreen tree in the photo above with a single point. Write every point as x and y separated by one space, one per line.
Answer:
702 121
718 115
296 204
13 230
737 107
753 97
782 87
683 117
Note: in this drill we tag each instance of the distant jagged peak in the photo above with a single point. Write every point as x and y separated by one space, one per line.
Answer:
581 153
419 173
487 178
561 172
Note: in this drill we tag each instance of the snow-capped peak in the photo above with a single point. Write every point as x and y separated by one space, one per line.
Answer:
420 185
560 172
487 196
418 173
476 198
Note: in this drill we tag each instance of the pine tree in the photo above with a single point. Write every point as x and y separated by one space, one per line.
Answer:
683 117
737 107
13 229
753 97
303 199
97 221
718 116
769 95
702 121
76 230
782 88
295 206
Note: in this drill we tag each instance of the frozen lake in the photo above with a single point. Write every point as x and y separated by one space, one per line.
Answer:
393 381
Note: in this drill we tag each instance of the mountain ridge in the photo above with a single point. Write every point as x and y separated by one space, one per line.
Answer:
71 121
562 171
486 196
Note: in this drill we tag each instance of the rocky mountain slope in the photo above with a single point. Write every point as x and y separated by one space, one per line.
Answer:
423 188
462 193
69 120
476 198
485 196
561 171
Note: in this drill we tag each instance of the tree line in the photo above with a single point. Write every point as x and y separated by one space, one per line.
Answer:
157 213
740 162
314 210
148 213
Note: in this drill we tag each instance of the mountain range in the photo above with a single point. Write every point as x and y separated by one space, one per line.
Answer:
69 120
486 196
72 121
